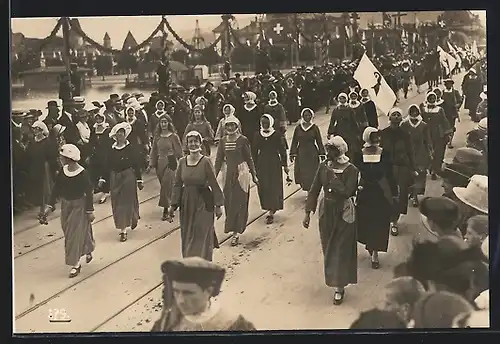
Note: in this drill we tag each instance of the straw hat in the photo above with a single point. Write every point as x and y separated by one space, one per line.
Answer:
475 194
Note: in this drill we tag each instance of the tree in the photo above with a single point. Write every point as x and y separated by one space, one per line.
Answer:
242 55
104 65
209 57
127 62
306 53
278 55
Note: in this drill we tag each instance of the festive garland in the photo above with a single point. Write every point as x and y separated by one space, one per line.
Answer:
46 40
236 38
102 48
185 44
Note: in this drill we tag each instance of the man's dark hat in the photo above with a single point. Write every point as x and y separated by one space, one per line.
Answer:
438 208
126 96
18 114
195 270
52 104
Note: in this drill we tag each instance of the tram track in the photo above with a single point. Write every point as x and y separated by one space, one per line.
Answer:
160 284
149 242
134 251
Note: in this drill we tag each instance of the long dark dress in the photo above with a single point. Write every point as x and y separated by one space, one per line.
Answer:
343 122
292 104
100 144
43 165
196 203
374 201
306 147
371 113
439 130
123 170
249 118
270 158
75 192
337 232
422 148
234 161
397 143
165 152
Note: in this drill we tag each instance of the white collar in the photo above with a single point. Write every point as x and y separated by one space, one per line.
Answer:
273 103
160 113
303 127
206 315
115 145
251 107
267 133
69 173
355 105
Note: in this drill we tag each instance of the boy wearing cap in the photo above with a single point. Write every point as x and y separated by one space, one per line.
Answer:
440 216
189 288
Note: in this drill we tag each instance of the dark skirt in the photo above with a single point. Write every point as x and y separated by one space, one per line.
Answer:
338 243
374 212
404 179
166 178
124 199
306 164
270 175
77 229
419 182
197 225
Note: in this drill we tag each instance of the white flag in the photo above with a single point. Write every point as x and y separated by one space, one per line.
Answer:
474 50
368 76
447 61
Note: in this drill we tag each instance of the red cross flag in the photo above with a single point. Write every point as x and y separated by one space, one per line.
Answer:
278 30
368 76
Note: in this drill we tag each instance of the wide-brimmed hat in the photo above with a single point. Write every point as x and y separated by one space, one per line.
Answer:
195 270
475 194
70 151
449 80
437 209
75 101
466 163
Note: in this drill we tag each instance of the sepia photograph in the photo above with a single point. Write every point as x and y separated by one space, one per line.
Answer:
250 172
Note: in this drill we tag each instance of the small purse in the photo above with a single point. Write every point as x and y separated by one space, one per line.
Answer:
349 210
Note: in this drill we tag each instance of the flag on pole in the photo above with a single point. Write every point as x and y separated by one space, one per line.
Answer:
368 76
474 50
447 61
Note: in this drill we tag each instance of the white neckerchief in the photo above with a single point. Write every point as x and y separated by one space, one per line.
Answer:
159 113
302 123
84 130
133 121
434 109
365 100
206 315
100 127
115 145
17 125
345 105
419 120
354 104
249 106
74 173
273 102
267 133
448 91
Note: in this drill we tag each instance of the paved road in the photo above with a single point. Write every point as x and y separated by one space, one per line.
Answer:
276 267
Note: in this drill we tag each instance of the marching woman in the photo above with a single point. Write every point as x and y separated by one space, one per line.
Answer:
123 171
165 151
74 188
42 156
397 143
138 138
234 159
370 108
377 192
306 149
155 117
83 130
343 123
100 143
200 124
359 111
440 131
250 116
270 161
338 179
277 111
198 195
228 110
421 147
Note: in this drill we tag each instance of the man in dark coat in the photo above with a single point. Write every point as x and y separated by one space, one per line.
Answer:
69 119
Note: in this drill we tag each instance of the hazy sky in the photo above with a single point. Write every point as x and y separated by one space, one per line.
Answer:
117 27
141 26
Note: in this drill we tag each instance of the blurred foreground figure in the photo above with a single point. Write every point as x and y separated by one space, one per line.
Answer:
190 286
